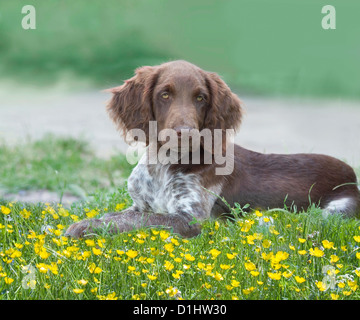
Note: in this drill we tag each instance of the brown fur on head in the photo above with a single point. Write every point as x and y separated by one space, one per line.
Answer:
178 95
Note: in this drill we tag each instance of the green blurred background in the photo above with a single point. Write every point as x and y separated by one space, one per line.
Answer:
260 47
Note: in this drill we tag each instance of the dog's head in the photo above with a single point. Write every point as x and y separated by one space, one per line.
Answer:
178 96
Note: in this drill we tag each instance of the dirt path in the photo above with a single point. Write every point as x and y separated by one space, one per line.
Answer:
270 125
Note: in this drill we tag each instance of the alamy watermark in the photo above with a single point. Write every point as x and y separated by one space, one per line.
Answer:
29 280
329 20
167 147
29 20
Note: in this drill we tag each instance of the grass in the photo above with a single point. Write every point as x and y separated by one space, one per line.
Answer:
59 164
263 255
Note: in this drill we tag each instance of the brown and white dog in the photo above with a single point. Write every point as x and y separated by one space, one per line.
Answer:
180 96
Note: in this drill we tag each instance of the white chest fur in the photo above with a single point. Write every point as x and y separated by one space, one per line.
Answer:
157 189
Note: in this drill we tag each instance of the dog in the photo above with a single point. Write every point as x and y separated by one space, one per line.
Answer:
182 97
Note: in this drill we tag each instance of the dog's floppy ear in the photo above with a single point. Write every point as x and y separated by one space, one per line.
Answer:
225 110
130 107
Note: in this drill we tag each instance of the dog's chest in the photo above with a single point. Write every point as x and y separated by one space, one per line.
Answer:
154 188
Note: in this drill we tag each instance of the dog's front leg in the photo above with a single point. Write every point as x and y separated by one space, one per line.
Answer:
130 219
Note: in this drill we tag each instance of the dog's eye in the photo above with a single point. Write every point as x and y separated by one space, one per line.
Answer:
199 98
165 95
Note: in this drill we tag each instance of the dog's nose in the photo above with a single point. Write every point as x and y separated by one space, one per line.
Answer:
182 129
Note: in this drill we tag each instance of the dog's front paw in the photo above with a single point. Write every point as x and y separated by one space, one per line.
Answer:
82 228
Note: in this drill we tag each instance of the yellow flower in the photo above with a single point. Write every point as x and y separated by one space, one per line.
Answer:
131 253
250 239
112 296
249 290
41 251
274 276
43 268
168 265
267 256
53 268
218 276
246 225
164 234
214 253
90 242
172 291
231 256
82 282
96 251
120 206
13 253
327 244
357 272
225 266
302 252
74 217
287 274
357 238
189 257
266 243
86 254
201 265
78 290
321 286
316 252
280 256
273 231
358 255
254 273
334 258
334 296
8 280
177 274
92 213
249 266
169 247
151 277
301 240
94 269
299 279
235 283
25 214
131 268
175 241
63 212
5 210
353 285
